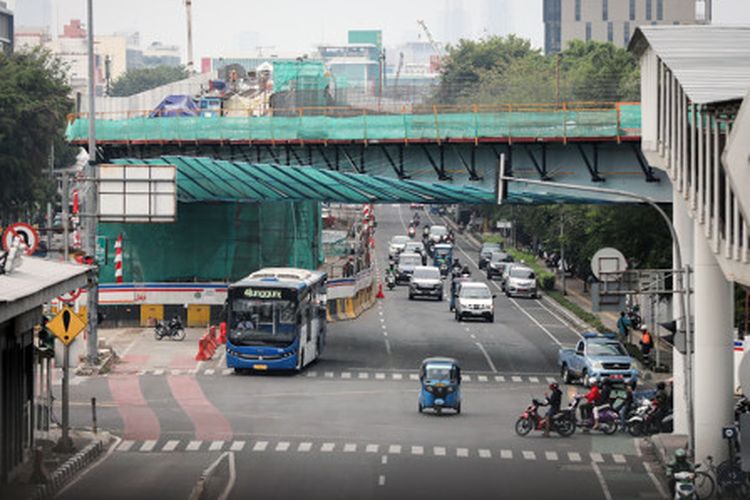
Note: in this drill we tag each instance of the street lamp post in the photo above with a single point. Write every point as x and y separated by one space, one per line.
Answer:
90 215
682 279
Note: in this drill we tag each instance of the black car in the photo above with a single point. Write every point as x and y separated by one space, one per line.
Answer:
495 265
486 252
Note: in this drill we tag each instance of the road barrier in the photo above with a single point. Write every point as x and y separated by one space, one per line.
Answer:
207 345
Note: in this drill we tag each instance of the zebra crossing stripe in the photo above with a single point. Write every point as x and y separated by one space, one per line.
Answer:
260 446
551 456
327 447
380 376
397 376
499 378
148 445
529 455
216 446
346 375
237 446
534 380
226 371
176 372
282 446
467 378
574 456
170 445
311 374
304 447
551 379
516 378
328 375
210 371
506 454
439 451
159 372
485 453
413 376
482 378
618 458
350 448
596 457
372 448
364 375
125 446
417 450
394 449
462 452
193 446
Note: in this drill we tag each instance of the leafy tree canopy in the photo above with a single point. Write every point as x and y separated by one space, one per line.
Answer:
34 97
135 81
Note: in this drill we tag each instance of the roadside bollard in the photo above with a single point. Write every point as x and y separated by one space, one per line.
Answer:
93 415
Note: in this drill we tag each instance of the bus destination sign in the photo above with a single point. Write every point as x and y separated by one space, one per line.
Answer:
263 294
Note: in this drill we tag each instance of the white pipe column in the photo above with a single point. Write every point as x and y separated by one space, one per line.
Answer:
683 226
714 357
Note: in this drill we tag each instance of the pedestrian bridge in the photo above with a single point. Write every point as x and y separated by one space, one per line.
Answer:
455 148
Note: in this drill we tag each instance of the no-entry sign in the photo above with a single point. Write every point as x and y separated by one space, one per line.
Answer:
28 235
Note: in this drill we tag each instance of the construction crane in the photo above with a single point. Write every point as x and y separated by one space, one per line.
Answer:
438 50
400 67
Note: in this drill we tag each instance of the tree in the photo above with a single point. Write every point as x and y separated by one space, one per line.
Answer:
601 72
34 99
135 81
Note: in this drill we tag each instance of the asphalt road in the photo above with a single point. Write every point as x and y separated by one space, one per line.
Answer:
348 426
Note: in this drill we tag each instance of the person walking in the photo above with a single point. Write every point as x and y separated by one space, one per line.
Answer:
623 326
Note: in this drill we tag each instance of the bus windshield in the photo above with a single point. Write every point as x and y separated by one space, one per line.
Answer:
255 322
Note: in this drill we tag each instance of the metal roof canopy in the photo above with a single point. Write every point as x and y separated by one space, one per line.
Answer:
211 180
712 63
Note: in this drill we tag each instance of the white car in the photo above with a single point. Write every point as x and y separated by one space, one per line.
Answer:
437 233
474 300
520 281
396 246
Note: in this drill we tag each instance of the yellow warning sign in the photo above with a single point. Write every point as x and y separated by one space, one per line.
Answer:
66 325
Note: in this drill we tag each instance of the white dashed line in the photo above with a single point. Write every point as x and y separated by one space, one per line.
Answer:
193 446
350 448
574 456
327 447
237 446
282 446
394 449
384 459
397 376
381 480
380 376
506 454
170 445
551 456
618 458
596 457
414 376
417 450
364 375
304 447
372 448
528 455
482 378
216 446
260 446
439 451
462 452
485 453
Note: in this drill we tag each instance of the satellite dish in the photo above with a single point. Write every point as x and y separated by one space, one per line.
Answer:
608 260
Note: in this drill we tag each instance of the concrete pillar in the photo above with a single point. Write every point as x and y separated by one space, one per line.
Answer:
683 225
714 357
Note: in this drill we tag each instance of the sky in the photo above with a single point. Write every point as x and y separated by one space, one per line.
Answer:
294 27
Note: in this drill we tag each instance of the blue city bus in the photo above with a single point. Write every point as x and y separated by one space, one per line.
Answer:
276 320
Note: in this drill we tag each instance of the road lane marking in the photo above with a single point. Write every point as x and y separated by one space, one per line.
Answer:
260 446
618 458
462 452
417 450
397 376
387 347
485 453
534 380
499 378
414 376
385 334
176 372
574 456
372 448
482 378
381 480
394 449
125 446
216 446
226 371
551 456
657 483
529 455
516 378
473 336
506 454
487 357
208 421
237 446
346 375
596 457
209 371
384 459
439 451
350 448
466 378
602 482
551 380
282 446
327 447
364 375
304 447
380 376
328 375
170 445
193 446
311 373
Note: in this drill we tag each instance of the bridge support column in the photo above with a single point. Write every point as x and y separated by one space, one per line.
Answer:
683 225
714 358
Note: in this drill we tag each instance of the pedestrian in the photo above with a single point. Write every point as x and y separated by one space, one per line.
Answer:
623 326
349 268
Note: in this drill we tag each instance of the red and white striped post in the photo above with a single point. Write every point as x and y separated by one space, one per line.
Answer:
118 259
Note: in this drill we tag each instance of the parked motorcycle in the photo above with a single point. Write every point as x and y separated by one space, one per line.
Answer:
609 420
563 423
174 330
684 488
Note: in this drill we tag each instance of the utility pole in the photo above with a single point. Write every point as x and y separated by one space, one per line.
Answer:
562 251
189 9
90 208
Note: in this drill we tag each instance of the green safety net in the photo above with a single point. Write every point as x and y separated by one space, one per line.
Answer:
299 75
622 121
216 242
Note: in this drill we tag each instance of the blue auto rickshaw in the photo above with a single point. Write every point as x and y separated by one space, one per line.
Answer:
442 257
440 380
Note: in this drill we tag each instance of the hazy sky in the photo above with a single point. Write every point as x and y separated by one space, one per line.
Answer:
296 26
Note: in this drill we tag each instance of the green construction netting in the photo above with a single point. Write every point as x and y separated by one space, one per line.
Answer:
217 242
299 75
201 180
550 124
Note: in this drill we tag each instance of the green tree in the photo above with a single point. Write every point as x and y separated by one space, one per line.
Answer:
34 97
597 71
135 81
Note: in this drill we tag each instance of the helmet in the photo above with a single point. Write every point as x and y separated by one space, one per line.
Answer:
644 328
661 386
553 386
680 454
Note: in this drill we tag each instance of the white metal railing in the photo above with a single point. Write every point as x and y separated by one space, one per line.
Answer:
690 138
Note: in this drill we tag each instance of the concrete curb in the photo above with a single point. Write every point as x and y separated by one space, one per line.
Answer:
567 315
67 471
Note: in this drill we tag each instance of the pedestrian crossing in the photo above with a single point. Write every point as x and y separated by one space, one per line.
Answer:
362 375
260 446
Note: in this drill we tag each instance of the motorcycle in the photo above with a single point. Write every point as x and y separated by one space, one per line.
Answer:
684 486
640 423
412 232
741 406
173 330
390 281
563 423
609 420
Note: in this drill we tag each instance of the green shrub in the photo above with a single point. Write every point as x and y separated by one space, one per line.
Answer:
493 238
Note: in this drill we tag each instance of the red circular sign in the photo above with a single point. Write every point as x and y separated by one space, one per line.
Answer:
71 296
29 236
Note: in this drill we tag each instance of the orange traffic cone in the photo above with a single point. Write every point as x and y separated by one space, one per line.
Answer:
380 294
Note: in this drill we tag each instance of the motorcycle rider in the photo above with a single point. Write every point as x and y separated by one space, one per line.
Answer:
465 272
678 464
456 267
603 401
626 405
591 398
553 400
660 405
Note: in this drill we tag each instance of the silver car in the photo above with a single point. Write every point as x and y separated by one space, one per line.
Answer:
520 281
474 300
426 281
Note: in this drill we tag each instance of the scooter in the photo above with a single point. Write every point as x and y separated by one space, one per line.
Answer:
412 232
684 488
390 281
609 420
639 423
563 423
173 330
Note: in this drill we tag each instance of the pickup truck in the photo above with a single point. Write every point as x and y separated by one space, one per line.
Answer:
597 357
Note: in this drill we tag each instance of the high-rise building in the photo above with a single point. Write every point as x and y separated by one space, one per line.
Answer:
498 17
608 20
6 29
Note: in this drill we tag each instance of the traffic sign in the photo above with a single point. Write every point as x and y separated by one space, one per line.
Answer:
29 236
608 260
70 296
66 325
